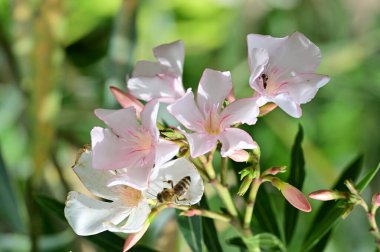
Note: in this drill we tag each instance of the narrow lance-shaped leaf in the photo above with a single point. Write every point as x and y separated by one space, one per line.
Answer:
329 212
209 230
9 209
191 228
367 179
296 178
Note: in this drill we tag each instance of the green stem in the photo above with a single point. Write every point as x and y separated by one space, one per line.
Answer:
226 197
202 212
223 171
252 198
374 228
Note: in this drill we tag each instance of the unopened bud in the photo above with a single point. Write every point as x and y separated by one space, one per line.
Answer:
274 170
376 199
245 185
240 156
267 108
126 100
325 195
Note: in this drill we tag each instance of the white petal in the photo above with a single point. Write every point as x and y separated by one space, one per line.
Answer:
86 215
165 151
172 55
120 121
269 43
200 143
235 139
186 112
135 221
257 60
286 103
175 171
149 117
303 87
214 87
94 180
297 54
240 111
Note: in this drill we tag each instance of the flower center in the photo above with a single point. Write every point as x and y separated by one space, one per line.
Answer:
129 196
142 141
212 122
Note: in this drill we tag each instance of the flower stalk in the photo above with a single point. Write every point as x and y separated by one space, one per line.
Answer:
252 198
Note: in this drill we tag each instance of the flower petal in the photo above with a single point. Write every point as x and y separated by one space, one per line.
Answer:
154 81
165 151
149 117
233 139
133 238
175 171
303 87
94 180
86 215
135 221
214 87
121 121
172 55
126 100
200 143
240 111
297 54
269 43
186 112
109 151
286 103
258 59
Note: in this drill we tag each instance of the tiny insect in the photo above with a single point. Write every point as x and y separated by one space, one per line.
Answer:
265 79
174 194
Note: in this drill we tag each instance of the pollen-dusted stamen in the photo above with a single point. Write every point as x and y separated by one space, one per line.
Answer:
212 122
129 196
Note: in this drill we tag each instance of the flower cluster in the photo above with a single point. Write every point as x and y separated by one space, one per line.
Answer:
136 165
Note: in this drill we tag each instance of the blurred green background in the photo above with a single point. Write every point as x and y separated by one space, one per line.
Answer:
58 58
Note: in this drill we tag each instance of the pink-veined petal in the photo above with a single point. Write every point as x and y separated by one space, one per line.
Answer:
149 117
297 54
303 87
240 111
94 180
288 105
269 43
165 151
214 87
135 221
133 238
126 100
233 139
136 176
257 60
86 215
239 156
121 121
108 151
175 171
201 143
172 55
187 113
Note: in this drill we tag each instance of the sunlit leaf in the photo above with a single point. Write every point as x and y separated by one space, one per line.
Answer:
367 179
191 228
329 213
296 178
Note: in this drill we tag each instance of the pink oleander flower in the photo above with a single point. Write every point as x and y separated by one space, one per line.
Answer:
160 80
127 209
209 121
128 146
283 70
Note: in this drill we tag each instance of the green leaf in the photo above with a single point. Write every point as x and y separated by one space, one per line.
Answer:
296 178
264 214
191 228
265 241
106 240
367 179
328 214
9 210
210 233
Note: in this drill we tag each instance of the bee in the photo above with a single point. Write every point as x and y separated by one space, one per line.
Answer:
174 194
265 79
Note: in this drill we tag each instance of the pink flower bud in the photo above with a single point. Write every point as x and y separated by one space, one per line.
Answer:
376 200
132 239
295 197
274 170
325 195
239 156
126 100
